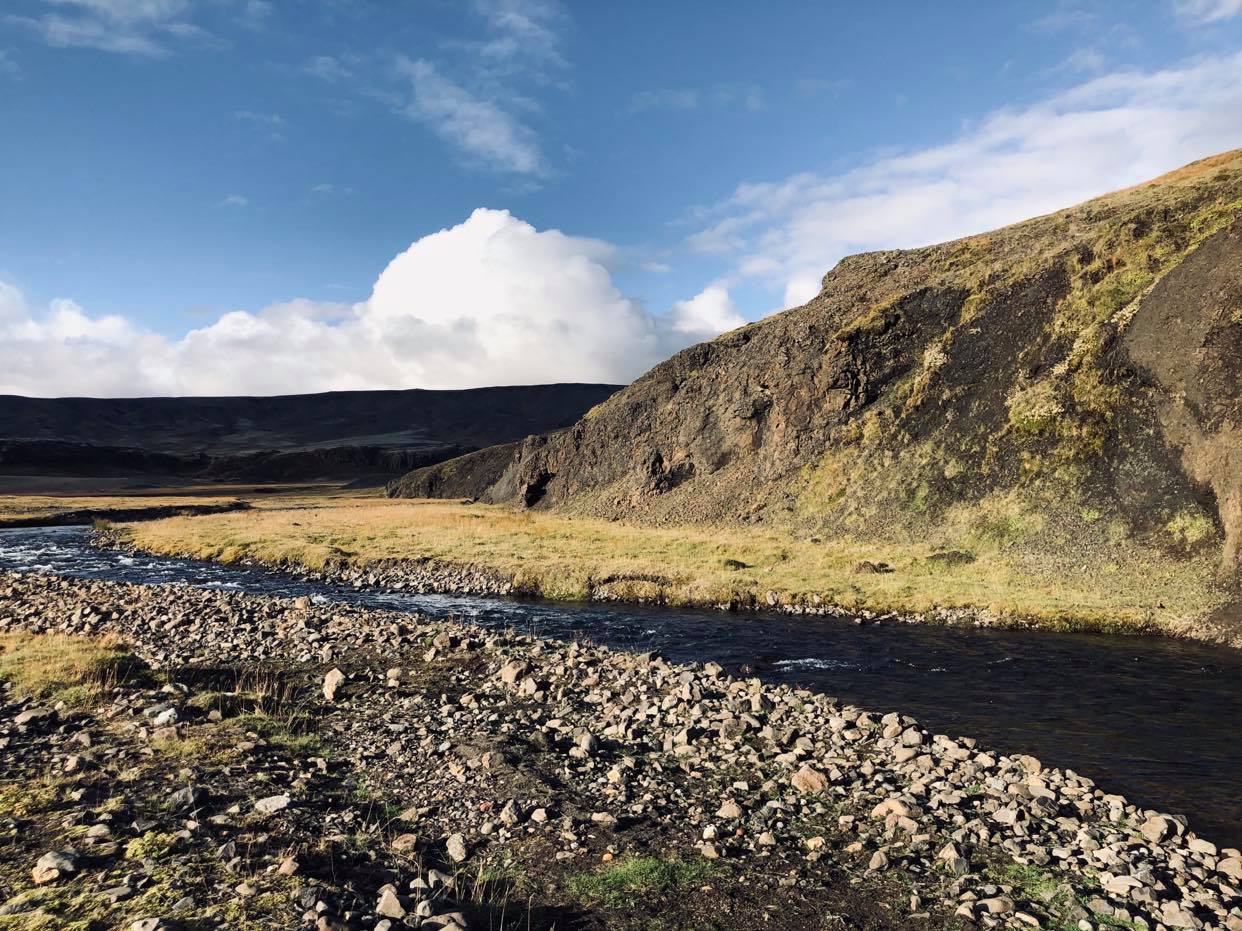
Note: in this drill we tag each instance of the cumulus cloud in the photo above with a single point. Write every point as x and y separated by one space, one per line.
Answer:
489 301
1109 132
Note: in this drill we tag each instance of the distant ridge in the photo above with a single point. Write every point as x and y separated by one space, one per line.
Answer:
290 437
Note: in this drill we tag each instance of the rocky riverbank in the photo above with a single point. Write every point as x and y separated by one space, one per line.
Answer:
494 779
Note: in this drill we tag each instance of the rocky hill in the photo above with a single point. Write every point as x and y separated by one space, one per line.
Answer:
1072 379
266 439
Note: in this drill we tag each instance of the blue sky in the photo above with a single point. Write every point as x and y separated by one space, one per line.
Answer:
201 195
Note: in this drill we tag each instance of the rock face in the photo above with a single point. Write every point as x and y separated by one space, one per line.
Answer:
1028 362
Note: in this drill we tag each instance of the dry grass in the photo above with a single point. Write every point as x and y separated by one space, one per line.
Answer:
568 558
26 507
72 669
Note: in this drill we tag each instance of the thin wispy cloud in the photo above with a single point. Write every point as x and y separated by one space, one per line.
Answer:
8 65
235 200
477 126
328 68
1207 11
273 120
747 97
132 27
477 97
1113 130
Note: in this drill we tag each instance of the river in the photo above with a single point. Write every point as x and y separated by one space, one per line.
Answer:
1158 720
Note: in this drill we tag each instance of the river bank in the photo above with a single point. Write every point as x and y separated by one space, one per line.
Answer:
526 754
458 547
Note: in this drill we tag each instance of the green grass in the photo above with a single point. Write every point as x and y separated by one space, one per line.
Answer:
614 886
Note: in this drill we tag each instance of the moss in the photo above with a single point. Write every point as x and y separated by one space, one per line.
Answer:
152 845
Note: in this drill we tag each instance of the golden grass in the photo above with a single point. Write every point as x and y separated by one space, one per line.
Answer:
73 669
569 557
26 507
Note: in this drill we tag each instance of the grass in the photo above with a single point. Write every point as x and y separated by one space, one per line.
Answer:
72 669
570 558
615 885
48 507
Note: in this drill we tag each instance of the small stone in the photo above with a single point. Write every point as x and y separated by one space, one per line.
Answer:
730 809
391 905
272 804
54 865
331 683
456 848
809 780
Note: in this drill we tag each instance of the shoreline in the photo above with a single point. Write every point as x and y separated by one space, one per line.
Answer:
429 576
643 751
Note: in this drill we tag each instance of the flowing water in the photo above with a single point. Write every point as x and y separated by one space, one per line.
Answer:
1157 720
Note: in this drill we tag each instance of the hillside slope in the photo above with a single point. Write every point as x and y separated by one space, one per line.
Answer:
1068 385
287 438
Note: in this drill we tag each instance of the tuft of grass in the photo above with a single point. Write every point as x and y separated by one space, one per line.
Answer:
615 885
71 669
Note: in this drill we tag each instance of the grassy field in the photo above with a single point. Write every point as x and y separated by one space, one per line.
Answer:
571 558
28 507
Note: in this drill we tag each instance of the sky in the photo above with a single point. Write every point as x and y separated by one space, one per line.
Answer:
257 197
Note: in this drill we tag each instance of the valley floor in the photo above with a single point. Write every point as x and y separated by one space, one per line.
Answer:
573 558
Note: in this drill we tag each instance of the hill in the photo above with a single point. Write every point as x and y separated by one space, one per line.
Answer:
1065 388
286 438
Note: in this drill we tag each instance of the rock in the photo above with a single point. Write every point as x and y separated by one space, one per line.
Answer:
455 846
730 809
186 797
997 905
587 743
54 865
332 683
391 905
1173 915
512 671
879 862
809 780
148 924
1157 828
272 804
1231 867
892 806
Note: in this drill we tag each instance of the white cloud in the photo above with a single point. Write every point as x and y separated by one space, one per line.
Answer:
480 102
271 120
1102 134
670 98
1207 11
710 311
479 127
745 96
134 27
328 68
235 200
489 301
8 65
523 36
